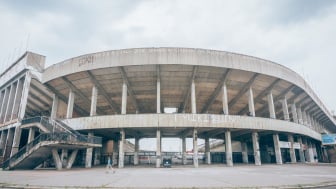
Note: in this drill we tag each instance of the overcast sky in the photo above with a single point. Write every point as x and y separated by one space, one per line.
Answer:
299 34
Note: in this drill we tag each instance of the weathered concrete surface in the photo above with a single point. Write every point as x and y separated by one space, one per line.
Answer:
216 176
189 120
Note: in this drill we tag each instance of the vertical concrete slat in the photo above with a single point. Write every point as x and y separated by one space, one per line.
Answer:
4 106
121 149
88 158
301 153
256 150
16 140
158 95
195 148
31 134
124 98
244 152
285 109
54 108
294 113
299 111
94 95
193 98
158 148
24 96
292 150
251 102
17 98
207 150
12 102
3 142
136 151
9 103
184 151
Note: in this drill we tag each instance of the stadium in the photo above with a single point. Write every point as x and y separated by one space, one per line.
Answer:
88 108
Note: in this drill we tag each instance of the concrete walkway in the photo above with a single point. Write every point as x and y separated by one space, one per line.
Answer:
213 176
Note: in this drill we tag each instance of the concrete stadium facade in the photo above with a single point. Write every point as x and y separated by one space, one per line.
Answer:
266 108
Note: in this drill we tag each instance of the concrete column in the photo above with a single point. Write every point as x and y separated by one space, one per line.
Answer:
88 159
193 98
136 151
277 149
97 154
300 118
24 97
184 151
311 152
18 97
195 148
2 96
124 98
4 105
271 105
115 152
158 148
301 153
251 102
72 159
292 150
207 151
256 150
244 152
64 157
31 134
228 149
54 107
16 140
93 109
13 101
71 102
57 160
304 118
3 138
9 103
121 149
294 113
9 143
158 96
225 101
285 109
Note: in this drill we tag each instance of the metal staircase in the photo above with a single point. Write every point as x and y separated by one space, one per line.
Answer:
56 135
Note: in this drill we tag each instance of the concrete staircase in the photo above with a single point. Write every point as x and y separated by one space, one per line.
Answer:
57 135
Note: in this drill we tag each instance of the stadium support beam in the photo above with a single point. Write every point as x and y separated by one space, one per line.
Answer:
103 92
245 88
129 89
158 90
186 96
217 90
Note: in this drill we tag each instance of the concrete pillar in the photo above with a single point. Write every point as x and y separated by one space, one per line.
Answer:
9 143
294 113
158 148
244 152
225 101
277 149
311 152
54 107
256 150
304 118
57 160
228 149
18 97
271 105
64 157
71 102
24 97
31 134
12 101
136 151
16 140
97 154
285 109
121 149
184 151
292 150
193 98
4 105
207 151
251 102
124 98
2 101
158 96
115 152
72 159
93 109
301 153
9 103
300 118
88 159
195 148
3 138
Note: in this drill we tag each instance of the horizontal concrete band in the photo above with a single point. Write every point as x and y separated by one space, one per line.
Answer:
179 56
189 121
